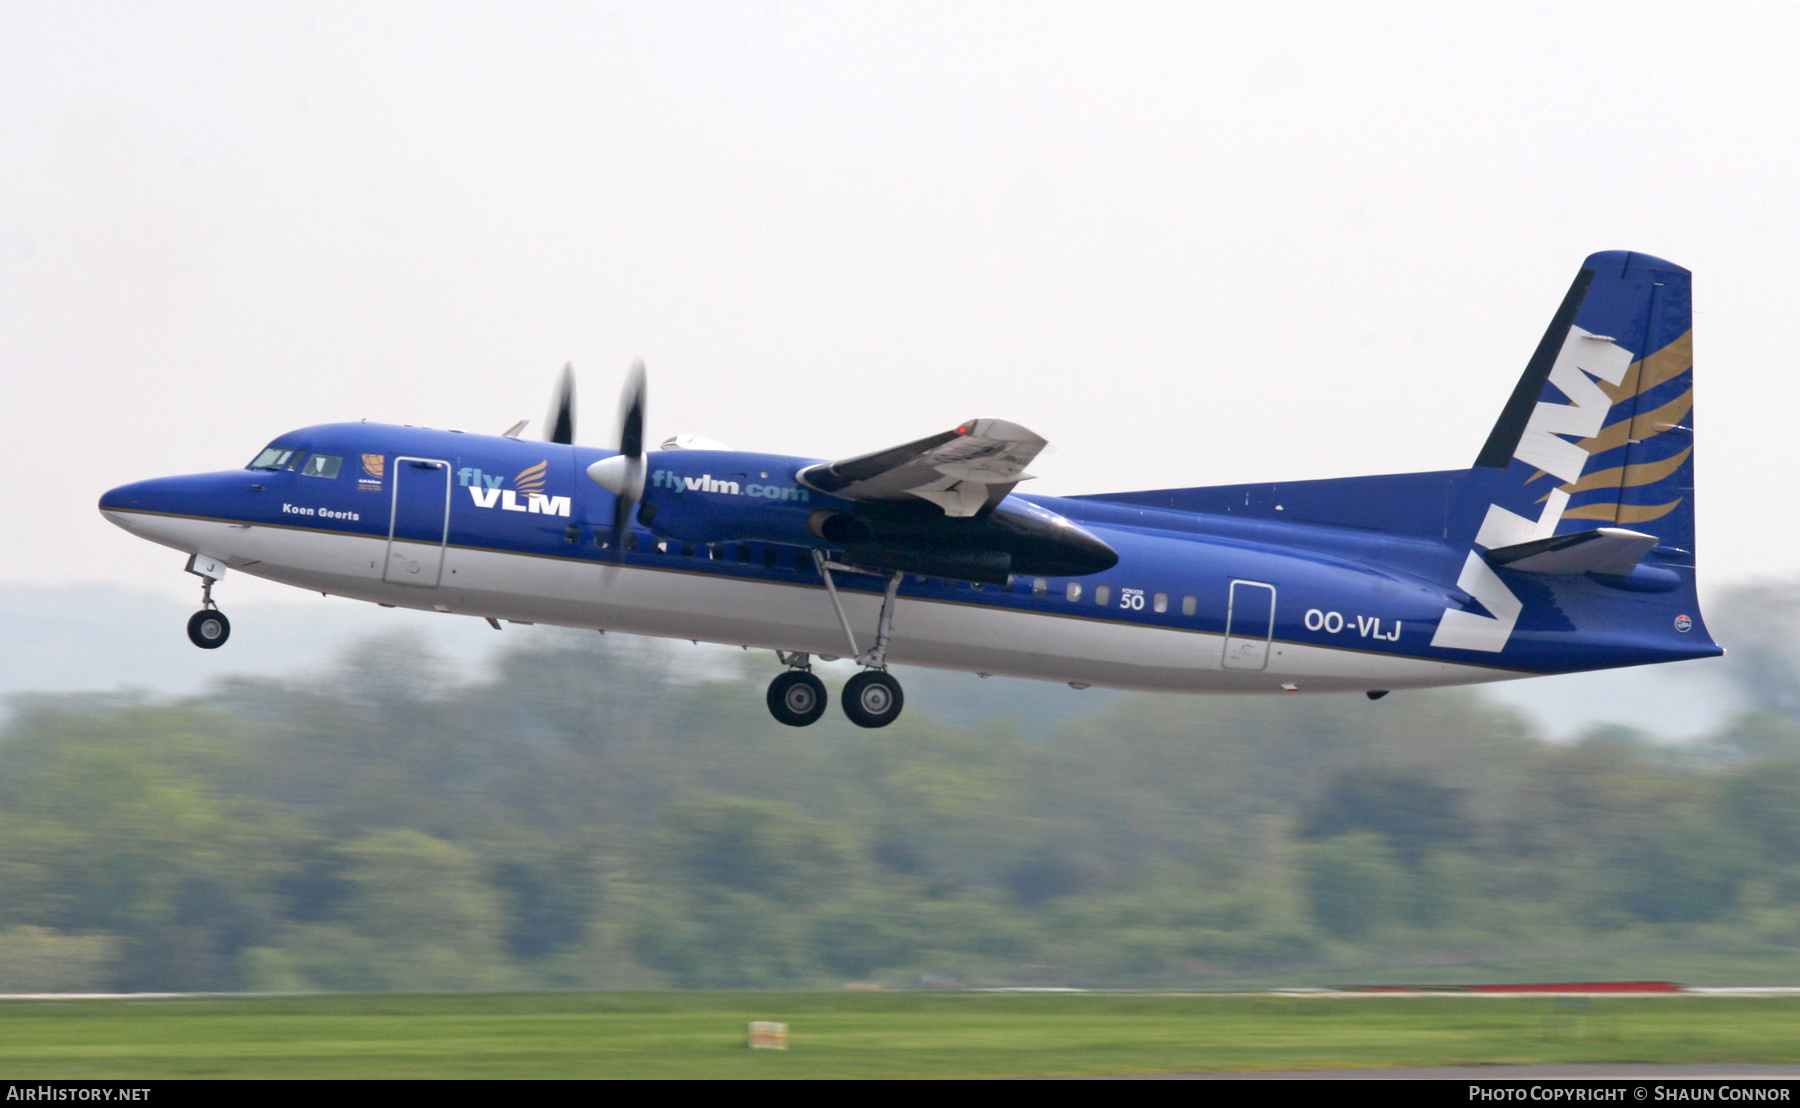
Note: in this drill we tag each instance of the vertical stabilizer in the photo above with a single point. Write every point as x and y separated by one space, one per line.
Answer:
1599 433
1600 430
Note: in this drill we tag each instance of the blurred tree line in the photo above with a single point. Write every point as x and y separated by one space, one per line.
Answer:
584 819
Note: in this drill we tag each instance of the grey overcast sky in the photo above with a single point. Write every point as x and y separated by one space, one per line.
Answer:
1190 244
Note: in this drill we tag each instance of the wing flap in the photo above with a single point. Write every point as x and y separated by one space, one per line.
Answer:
963 472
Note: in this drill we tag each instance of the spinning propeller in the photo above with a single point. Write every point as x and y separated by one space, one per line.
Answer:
561 418
623 474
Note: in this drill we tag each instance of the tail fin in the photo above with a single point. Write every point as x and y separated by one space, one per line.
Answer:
1598 437
1599 431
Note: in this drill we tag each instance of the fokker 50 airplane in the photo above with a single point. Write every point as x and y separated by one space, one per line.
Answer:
1568 545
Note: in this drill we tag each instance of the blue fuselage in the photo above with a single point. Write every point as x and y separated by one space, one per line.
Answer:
434 519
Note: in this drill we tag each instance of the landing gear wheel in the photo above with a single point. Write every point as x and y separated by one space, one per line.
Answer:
208 629
873 699
797 698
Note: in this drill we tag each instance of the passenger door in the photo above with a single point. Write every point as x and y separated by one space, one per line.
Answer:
1249 625
418 523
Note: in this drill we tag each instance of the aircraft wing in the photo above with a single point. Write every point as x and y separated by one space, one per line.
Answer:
964 471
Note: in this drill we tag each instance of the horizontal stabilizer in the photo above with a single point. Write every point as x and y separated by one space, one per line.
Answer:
1612 551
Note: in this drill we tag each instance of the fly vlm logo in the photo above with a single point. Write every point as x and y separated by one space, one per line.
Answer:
529 483
706 482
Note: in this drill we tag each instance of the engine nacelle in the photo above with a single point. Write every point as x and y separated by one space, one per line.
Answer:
704 496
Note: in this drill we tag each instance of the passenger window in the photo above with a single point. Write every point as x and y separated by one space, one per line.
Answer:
1073 592
1103 595
322 465
631 540
771 557
1160 602
1189 605
687 550
743 553
1040 588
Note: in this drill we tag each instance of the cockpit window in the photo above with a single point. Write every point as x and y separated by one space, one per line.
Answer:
294 462
322 465
275 457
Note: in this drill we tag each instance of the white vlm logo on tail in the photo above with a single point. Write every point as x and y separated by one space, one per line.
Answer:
1583 358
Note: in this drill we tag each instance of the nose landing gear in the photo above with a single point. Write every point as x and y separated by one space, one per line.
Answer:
207 628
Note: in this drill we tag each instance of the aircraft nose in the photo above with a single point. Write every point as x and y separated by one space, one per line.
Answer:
127 497
195 495
126 505
123 506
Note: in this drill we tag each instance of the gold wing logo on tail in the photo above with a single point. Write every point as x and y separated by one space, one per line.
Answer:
1645 374
1622 513
1642 426
1625 477
1663 366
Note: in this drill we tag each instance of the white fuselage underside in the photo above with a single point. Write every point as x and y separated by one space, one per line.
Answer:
959 635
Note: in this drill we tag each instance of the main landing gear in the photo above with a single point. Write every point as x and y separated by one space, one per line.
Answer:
797 698
872 698
207 628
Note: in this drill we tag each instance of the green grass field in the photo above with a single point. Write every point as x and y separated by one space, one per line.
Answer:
862 1034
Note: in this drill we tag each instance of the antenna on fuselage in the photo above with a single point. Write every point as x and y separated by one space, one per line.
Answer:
513 431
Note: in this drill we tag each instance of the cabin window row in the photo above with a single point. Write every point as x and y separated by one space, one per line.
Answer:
1103 597
743 553
746 554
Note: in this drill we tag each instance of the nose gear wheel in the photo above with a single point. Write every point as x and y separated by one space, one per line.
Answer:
208 629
